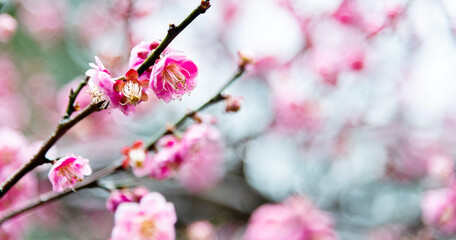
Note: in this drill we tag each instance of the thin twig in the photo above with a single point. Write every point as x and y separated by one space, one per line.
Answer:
173 31
72 98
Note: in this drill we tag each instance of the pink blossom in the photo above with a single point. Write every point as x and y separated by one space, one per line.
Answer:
100 83
137 157
152 218
348 14
295 219
131 90
296 114
173 76
8 27
139 54
439 210
441 168
167 159
201 230
125 195
68 171
13 151
202 157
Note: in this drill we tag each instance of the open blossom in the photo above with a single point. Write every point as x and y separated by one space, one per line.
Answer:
295 219
132 90
167 159
125 195
100 82
153 218
137 157
439 210
68 171
202 157
173 76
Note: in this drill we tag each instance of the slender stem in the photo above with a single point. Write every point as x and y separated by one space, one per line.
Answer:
72 98
173 31
92 181
39 158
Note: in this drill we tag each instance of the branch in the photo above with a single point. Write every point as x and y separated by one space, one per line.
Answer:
72 98
40 157
173 31
92 181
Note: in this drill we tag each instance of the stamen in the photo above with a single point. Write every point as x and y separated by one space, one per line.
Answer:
132 90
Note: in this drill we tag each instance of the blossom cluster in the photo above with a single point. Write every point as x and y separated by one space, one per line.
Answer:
171 76
196 158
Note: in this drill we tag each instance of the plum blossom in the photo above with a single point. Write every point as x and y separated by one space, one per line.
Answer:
100 83
439 210
167 159
201 230
295 219
68 171
125 195
8 27
132 91
233 104
137 157
173 75
152 218
202 155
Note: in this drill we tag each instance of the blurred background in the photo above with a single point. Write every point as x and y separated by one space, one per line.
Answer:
350 103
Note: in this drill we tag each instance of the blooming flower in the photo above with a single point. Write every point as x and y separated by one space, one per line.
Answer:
173 76
152 218
100 83
167 158
439 210
125 195
138 158
68 171
132 91
295 219
202 157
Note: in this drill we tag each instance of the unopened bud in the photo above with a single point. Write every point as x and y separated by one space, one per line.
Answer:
245 57
233 104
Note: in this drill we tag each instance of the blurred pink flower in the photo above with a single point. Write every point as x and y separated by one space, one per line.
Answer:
348 14
8 27
14 151
202 158
439 210
441 168
173 76
167 159
152 218
201 230
68 171
295 219
138 158
295 114
233 104
125 195
44 19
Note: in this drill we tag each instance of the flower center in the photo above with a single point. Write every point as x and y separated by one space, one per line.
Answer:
137 157
148 228
132 91
175 77
95 93
69 174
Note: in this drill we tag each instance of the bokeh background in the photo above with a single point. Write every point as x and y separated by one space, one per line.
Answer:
350 103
